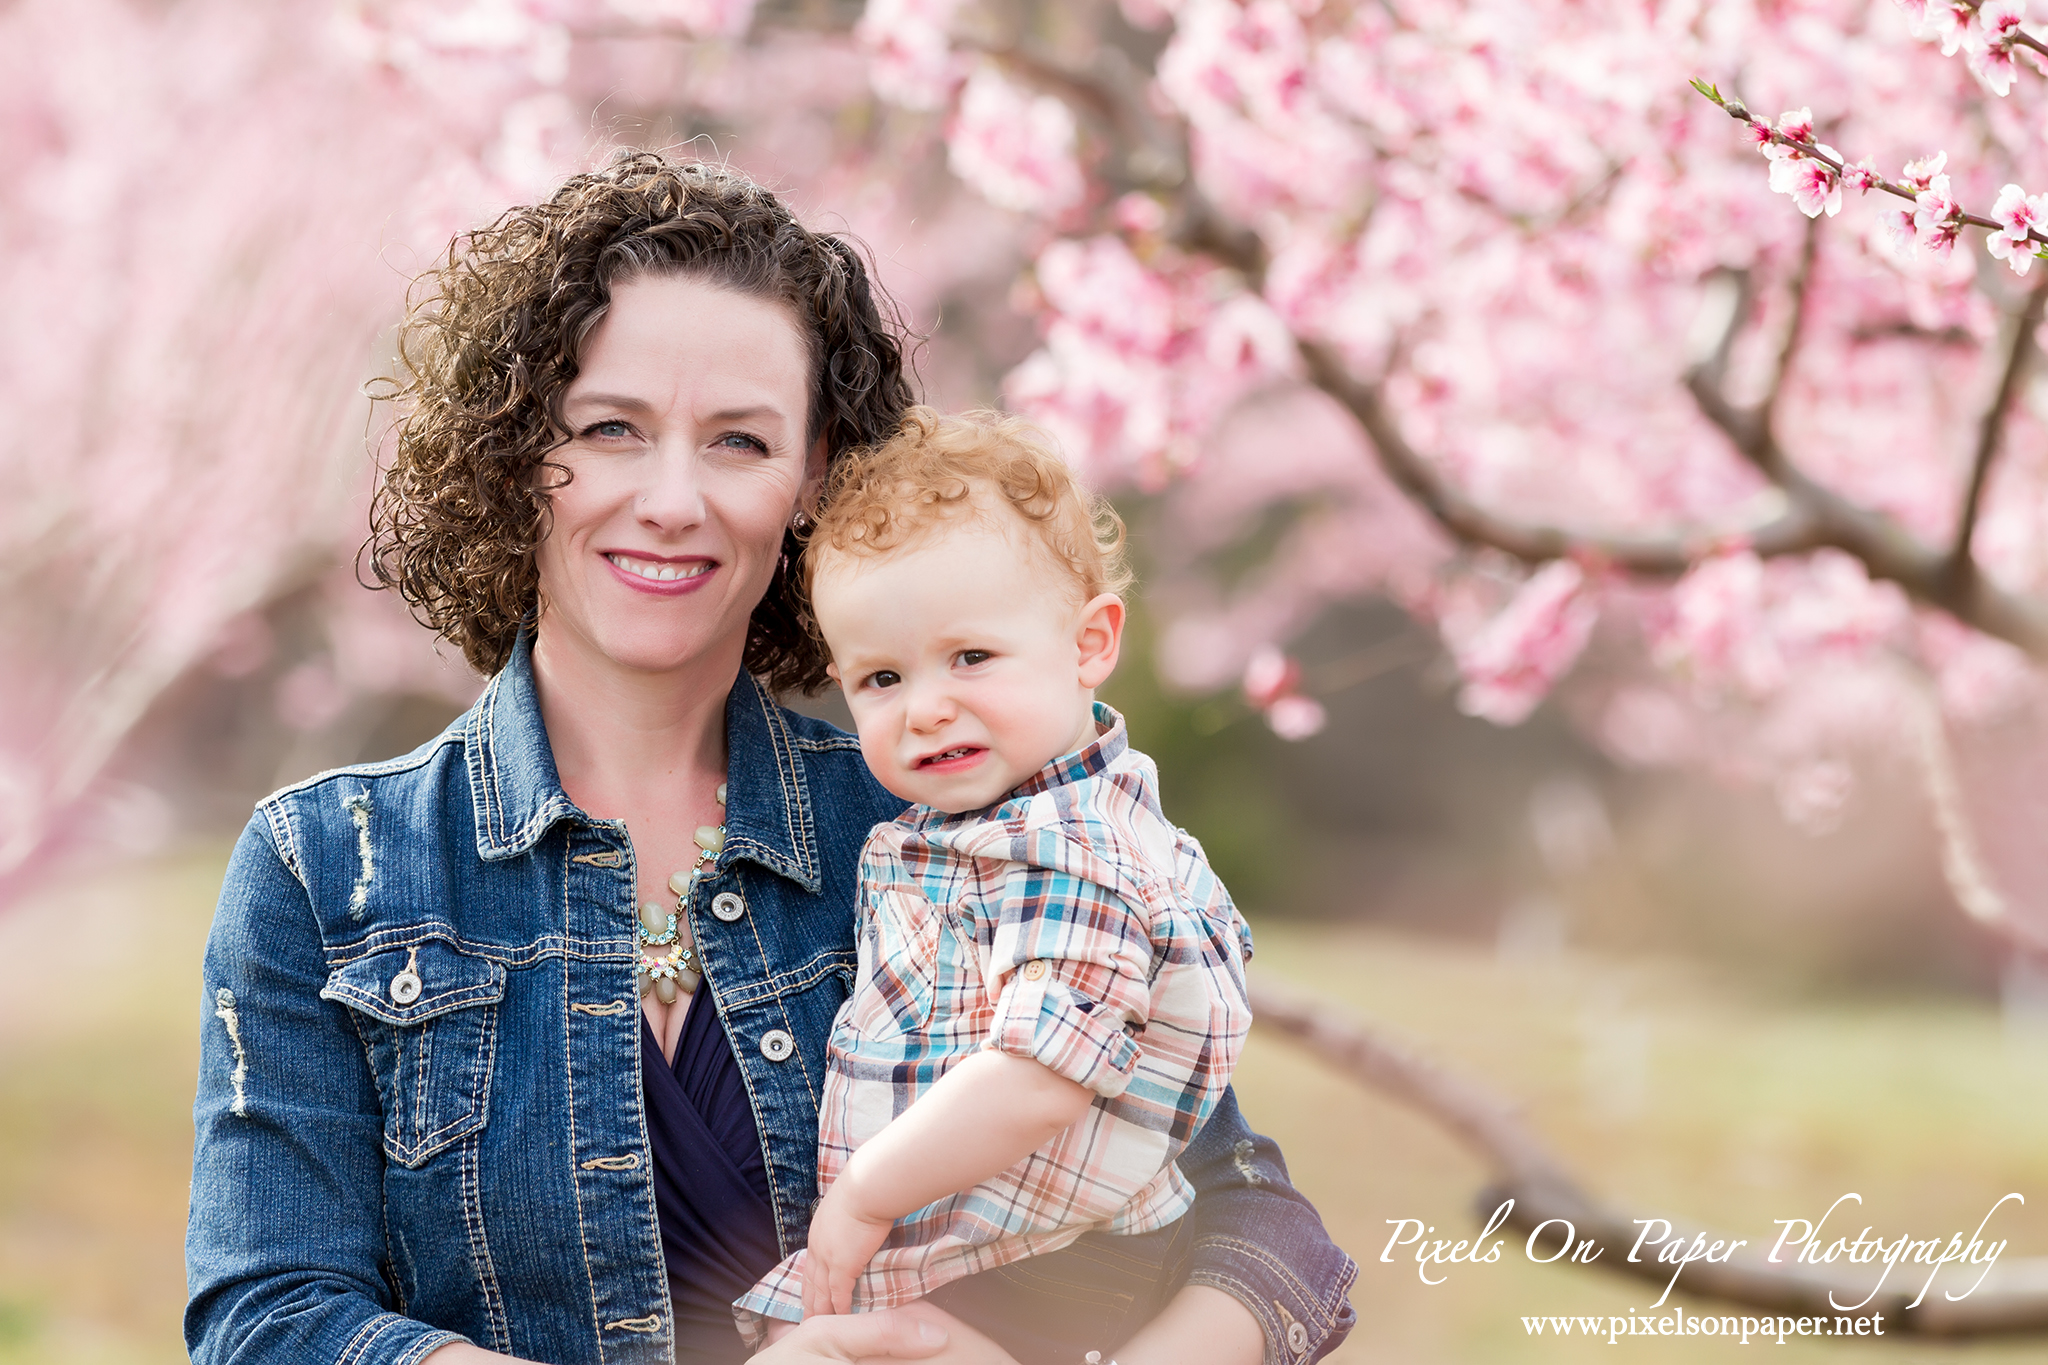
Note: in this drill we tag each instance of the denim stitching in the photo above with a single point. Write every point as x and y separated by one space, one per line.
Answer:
282 840
1281 1270
575 1182
547 946
789 768
797 980
480 1252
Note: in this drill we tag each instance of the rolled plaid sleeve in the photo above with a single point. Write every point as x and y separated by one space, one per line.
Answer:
1067 971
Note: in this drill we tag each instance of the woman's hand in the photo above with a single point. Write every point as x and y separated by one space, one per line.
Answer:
842 1242
900 1334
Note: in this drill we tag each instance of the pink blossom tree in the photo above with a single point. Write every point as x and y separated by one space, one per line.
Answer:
1504 315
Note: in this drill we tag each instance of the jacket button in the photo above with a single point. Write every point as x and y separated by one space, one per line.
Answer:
776 1045
727 906
1034 969
405 987
1297 1338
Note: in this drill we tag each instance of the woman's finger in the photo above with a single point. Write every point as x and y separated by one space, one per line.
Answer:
866 1336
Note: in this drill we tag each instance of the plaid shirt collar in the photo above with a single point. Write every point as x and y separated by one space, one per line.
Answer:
1111 742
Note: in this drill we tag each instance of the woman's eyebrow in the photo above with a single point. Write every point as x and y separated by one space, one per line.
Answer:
607 400
753 413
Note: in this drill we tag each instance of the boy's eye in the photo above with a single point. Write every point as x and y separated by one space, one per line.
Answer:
883 679
970 657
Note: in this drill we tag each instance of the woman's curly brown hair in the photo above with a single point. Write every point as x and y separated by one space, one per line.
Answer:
493 338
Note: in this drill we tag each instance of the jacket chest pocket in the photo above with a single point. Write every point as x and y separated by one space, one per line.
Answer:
428 1017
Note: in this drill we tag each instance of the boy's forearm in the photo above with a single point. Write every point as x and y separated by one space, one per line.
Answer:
981 1118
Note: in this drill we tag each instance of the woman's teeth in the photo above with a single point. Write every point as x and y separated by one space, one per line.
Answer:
660 573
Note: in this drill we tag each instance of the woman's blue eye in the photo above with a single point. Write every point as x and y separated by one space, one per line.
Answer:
608 431
743 440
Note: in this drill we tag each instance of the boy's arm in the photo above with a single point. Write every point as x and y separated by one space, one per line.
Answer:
979 1119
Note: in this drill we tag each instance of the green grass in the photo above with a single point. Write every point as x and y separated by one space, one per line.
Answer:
1669 1092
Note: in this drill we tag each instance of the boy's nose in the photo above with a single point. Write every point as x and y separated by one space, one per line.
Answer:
927 707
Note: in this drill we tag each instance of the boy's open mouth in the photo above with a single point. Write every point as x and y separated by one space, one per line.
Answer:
950 757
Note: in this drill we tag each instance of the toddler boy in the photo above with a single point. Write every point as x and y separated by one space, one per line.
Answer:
1050 995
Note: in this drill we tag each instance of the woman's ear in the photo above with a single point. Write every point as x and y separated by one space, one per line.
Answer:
815 466
1100 637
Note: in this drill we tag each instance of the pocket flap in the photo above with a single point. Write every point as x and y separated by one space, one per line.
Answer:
449 979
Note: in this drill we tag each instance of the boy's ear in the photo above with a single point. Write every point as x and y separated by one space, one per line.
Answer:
1100 637
832 672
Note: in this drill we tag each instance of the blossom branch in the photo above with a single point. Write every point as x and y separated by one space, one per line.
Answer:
1813 516
1991 429
1789 532
1525 1171
1813 174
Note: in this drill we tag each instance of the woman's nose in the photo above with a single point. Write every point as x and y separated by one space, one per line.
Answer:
672 494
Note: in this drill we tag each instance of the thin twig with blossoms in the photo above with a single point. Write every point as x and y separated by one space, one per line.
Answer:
1813 174
1985 31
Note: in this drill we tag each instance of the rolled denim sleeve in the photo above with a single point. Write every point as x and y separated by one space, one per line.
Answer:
1258 1240
285 1239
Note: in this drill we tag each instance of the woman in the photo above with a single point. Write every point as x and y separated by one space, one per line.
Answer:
439 1115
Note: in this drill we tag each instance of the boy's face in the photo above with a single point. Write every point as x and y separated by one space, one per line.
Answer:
966 661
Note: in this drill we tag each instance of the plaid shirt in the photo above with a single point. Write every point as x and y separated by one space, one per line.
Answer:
1071 924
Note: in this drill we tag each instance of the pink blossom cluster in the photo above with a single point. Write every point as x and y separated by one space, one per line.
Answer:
1797 168
1139 360
1988 33
1272 686
1511 658
1016 148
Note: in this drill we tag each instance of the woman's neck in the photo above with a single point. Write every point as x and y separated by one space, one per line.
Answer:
620 735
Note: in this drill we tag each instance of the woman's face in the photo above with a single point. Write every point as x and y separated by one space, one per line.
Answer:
687 459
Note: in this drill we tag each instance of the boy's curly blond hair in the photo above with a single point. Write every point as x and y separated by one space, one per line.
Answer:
886 496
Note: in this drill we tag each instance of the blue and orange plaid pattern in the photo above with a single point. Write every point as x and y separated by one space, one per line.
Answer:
1073 924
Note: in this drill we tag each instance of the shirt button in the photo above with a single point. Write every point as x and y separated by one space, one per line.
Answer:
405 987
1297 1338
727 906
1034 969
776 1045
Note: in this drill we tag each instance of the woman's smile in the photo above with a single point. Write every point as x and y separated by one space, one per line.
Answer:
664 576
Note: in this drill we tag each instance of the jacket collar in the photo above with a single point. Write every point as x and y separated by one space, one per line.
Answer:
517 794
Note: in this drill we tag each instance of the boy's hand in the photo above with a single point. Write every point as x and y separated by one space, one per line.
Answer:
842 1243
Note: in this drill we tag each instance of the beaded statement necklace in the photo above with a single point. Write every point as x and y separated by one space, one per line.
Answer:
677 970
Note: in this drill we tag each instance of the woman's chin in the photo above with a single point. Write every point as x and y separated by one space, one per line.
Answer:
674 643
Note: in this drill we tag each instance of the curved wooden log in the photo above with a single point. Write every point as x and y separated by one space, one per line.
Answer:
2012 1298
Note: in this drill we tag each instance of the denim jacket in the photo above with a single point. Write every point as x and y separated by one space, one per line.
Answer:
420 1116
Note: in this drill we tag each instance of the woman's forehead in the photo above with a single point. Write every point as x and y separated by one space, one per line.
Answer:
665 332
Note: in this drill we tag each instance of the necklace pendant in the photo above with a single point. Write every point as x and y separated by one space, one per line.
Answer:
657 925
710 838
